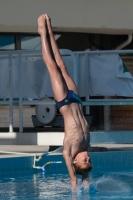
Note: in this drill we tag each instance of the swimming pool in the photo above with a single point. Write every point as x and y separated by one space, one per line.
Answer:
111 178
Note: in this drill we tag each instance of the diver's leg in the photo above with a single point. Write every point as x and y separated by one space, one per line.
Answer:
58 84
69 81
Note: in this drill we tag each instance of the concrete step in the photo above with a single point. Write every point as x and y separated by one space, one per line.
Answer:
55 138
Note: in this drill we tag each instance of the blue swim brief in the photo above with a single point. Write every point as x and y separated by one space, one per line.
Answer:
70 98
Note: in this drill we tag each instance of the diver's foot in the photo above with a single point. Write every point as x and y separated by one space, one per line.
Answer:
48 20
42 25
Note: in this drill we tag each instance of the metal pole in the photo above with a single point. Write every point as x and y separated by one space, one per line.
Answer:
87 82
107 116
76 71
105 52
20 96
10 94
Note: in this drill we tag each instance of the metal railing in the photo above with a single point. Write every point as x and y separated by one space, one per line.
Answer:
20 54
75 56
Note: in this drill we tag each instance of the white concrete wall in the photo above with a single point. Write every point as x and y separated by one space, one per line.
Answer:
32 138
96 16
56 138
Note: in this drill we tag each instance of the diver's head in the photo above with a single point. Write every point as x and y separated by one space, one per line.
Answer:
82 163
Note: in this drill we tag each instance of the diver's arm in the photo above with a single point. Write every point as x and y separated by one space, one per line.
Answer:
71 170
85 180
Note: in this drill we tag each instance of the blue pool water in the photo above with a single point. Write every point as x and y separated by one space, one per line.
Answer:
111 178
110 185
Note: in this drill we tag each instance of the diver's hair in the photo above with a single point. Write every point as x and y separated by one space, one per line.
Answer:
81 171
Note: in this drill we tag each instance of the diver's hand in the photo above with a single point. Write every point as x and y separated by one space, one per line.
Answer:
85 181
73 185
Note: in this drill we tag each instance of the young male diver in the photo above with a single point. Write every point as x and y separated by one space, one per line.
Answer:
77 137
